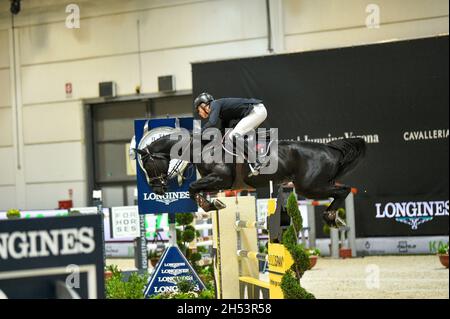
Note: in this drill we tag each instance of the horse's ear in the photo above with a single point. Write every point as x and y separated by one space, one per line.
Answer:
140 152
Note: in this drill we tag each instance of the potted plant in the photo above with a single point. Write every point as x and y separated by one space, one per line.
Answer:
109 271
13 214
154 256
313 255
345 252
443 255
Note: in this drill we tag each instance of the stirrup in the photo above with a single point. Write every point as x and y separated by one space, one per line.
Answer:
254 171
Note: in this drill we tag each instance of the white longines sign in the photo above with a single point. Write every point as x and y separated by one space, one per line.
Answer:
43 243
167 198
412 213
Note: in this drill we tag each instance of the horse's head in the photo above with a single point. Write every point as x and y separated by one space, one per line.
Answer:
156 166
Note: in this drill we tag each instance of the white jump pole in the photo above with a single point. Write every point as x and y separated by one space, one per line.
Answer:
334 235
350 219
252 255
312 226
255 224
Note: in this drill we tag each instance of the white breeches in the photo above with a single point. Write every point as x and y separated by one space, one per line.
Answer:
251 121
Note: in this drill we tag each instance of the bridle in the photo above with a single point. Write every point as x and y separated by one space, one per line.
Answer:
159 175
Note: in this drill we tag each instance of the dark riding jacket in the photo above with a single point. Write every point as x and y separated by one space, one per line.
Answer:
227 110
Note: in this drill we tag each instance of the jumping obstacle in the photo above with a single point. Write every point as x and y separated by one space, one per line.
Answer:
235 246
228 268
246 224
236 254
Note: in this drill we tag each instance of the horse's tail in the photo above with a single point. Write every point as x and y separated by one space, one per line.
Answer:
352 150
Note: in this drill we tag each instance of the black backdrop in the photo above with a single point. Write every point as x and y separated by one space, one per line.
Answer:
385 93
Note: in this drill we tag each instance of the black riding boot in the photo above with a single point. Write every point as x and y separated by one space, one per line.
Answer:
255 167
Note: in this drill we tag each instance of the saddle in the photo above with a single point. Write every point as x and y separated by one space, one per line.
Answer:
262 144
261 141
267 137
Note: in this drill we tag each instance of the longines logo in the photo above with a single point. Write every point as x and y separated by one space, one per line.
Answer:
425 135
42 243
167 198
412 213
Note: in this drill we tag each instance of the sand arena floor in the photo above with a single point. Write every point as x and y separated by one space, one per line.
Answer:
402 277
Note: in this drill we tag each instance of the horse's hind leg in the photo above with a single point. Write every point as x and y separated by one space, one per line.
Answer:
339 193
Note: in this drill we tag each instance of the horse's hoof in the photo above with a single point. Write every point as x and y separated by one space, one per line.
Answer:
333 220
218 204
207 206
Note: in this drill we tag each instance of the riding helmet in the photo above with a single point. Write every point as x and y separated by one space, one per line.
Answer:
203 98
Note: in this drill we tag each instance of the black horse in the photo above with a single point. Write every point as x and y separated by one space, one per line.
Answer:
312 167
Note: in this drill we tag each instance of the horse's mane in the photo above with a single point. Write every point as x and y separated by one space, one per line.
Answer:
159 143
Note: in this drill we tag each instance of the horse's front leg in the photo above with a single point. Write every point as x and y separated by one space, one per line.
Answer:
210 183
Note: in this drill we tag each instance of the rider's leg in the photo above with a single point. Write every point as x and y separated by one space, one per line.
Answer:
247 124
251 121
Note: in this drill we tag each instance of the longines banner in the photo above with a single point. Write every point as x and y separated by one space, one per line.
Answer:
394 95
176 199
38 254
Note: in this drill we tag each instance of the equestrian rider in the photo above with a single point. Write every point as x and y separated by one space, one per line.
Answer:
249 112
